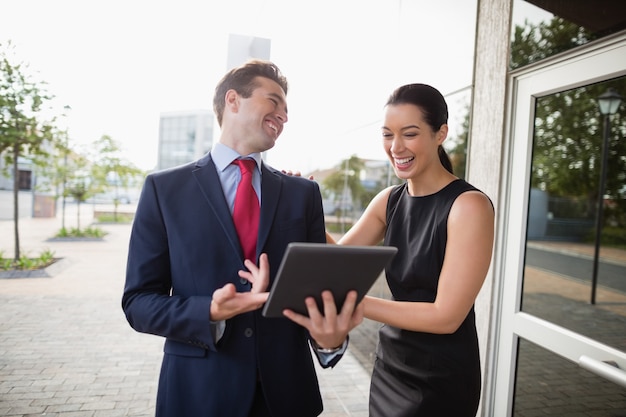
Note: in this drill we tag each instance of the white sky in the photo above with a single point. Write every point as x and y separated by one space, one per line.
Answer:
120 63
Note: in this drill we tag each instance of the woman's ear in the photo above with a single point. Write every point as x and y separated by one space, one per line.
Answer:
442 134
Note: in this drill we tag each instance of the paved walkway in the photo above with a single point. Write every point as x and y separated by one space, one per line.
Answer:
67 350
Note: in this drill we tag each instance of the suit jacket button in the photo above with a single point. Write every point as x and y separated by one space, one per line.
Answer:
248 332
243 281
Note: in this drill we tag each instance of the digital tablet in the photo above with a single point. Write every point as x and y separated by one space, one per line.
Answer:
307 269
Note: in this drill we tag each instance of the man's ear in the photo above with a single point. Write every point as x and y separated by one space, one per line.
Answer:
231 100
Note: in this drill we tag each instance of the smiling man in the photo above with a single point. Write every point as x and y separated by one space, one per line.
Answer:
195 278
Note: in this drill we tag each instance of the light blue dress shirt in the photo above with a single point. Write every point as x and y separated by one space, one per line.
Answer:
230 174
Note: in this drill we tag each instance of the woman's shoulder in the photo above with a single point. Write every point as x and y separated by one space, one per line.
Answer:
472 202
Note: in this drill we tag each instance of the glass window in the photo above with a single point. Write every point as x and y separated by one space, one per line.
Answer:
548 385
543 28
571 278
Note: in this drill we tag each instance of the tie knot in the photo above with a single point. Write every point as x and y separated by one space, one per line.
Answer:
245 165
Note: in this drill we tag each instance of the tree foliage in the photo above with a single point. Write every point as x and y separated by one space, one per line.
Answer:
345 183
24 131
456 146
532 43
28 136
56 169
568 134
111 170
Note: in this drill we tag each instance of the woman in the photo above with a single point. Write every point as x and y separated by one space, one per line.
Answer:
427 360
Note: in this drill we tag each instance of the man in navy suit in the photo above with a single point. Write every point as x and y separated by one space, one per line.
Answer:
186 279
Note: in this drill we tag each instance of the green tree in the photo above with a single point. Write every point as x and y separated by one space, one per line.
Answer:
568 136
456 146
111 169
23 129
568 145
58 168
532 43
568 126
345 184
78 182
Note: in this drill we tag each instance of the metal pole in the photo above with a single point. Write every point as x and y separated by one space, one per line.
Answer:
65 152
344 197
600 208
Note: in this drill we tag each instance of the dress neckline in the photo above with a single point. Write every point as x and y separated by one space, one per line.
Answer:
406 186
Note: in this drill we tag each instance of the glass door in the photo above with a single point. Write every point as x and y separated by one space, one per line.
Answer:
562 333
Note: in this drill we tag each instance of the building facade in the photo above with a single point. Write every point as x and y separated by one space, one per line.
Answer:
551 315
184 136
25 168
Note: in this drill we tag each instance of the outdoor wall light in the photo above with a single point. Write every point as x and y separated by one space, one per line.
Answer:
608 102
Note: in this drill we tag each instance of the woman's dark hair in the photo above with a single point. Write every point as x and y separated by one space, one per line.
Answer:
433 106
243 80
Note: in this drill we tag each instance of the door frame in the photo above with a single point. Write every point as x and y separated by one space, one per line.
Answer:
595 62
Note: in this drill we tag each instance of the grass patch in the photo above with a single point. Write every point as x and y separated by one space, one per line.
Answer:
88 232
27 263
114 218
333 227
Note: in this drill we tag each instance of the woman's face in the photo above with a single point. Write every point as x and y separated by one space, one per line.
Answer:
410 143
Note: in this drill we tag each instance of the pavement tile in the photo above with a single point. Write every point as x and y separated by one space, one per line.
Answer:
67 350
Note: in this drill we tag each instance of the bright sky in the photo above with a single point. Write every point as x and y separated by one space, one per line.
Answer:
120 63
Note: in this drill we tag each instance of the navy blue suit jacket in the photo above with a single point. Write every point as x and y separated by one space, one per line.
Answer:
182 248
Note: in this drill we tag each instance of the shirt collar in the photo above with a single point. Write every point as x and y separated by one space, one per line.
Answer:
223 156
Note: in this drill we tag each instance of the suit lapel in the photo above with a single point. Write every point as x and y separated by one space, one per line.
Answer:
271 185
206 175
211 188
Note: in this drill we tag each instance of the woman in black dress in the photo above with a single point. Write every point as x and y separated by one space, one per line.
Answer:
427 360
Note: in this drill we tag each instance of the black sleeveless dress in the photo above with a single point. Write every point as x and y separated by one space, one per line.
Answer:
423 374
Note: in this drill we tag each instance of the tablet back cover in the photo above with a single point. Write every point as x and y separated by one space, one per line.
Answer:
307 269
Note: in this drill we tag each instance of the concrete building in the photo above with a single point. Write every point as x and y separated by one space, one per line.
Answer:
184 136
25 168
241 48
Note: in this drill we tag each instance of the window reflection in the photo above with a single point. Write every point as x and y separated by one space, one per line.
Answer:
543 28
566 166
547 384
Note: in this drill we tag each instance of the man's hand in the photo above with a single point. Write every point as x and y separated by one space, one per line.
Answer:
227 302
259 276
330 329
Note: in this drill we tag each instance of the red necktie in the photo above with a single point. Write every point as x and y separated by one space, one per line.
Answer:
246 210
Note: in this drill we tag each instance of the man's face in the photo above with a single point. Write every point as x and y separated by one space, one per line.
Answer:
260 118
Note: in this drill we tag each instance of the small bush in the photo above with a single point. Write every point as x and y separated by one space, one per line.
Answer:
47 256
5 263
88 232
614 237
27 263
